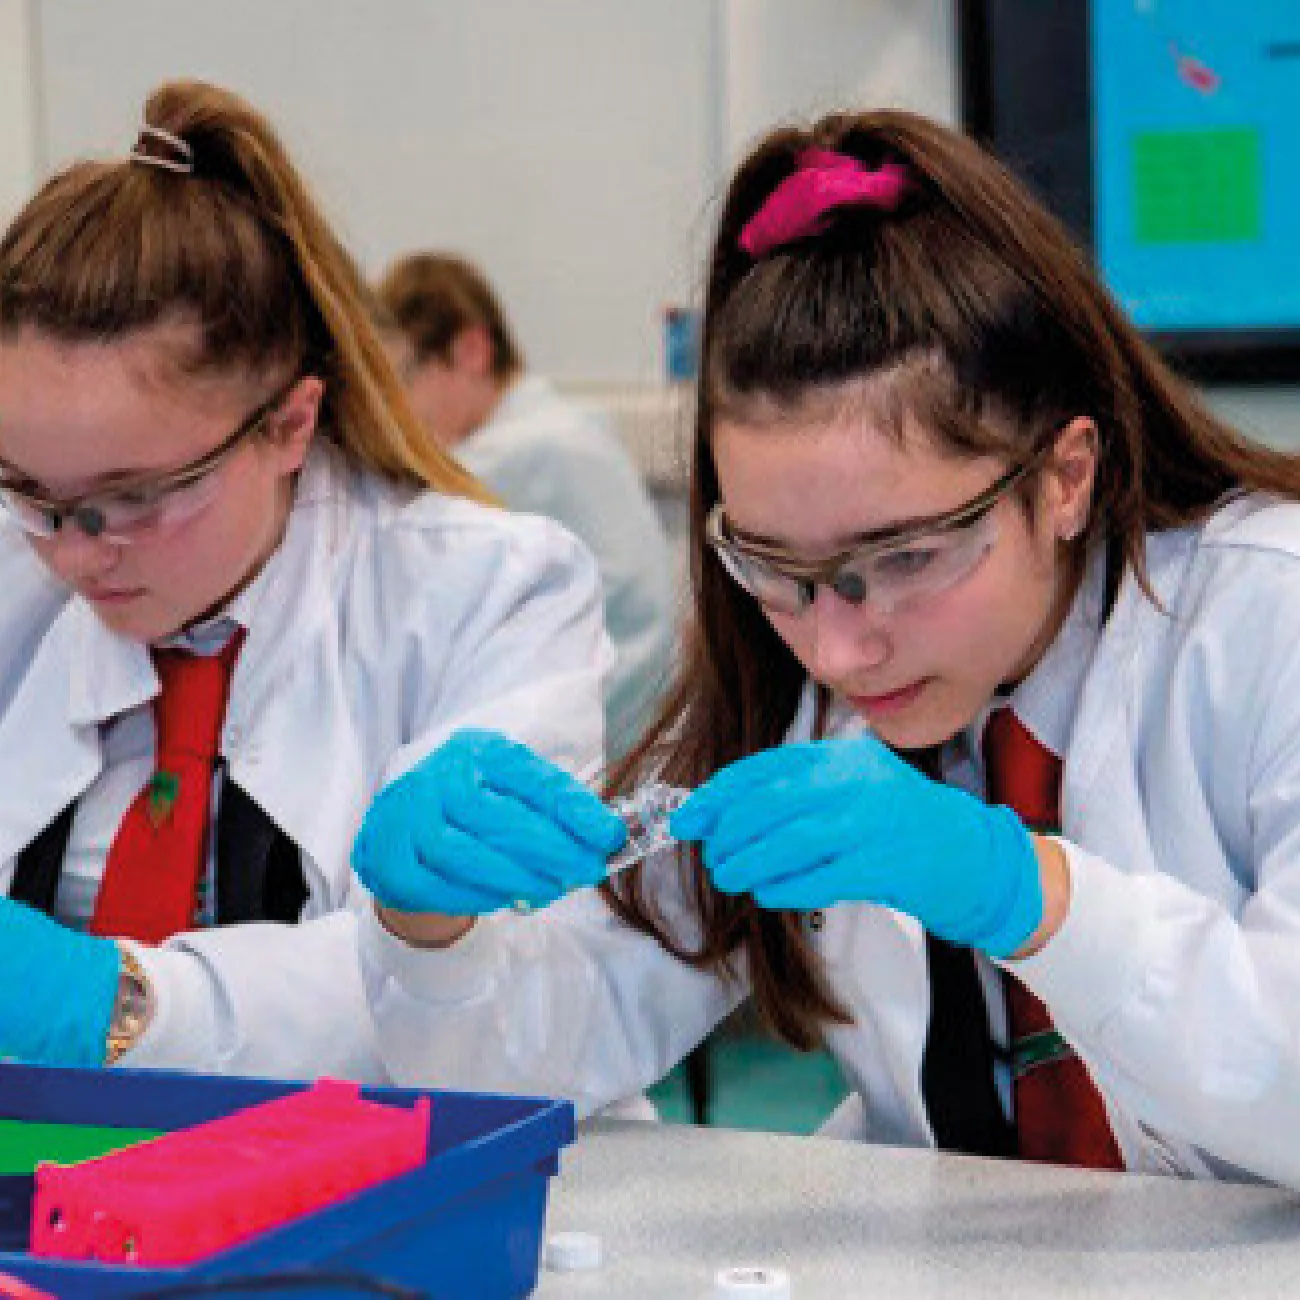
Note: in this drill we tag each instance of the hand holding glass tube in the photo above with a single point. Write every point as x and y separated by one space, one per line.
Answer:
483 824
645 813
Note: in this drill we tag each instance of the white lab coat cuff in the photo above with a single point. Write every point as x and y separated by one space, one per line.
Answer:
455 974
1091 967
182 1033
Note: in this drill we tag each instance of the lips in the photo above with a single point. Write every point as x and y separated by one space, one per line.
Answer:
111 596
889 701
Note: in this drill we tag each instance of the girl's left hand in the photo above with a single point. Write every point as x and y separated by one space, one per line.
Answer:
832 821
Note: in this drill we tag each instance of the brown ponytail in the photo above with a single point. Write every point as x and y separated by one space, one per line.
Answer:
969 309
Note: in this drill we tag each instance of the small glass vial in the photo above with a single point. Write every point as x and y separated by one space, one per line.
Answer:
645 813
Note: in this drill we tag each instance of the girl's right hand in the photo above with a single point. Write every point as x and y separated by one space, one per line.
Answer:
480 824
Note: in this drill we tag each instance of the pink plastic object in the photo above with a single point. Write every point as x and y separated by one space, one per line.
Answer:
14 1288
186 1194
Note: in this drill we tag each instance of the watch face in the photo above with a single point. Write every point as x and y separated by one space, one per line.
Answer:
130 1011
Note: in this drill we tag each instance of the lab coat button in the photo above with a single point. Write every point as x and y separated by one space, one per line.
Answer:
817 921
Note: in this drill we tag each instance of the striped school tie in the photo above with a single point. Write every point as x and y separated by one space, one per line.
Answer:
1060 1117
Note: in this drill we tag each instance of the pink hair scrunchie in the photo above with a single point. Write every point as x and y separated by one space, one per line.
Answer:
822 182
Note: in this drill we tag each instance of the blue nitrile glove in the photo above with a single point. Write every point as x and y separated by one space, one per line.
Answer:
480 824
61 989
807 826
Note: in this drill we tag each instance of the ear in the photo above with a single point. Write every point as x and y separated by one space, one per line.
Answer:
1067 479
293 424
471 351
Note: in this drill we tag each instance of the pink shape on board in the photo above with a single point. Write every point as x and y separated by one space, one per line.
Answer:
1200 76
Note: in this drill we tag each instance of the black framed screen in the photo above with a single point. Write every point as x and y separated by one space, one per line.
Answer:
1166 134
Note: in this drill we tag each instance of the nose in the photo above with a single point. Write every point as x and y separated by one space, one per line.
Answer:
74 555
847 639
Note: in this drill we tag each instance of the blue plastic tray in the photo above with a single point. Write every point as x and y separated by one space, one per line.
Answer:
468 1222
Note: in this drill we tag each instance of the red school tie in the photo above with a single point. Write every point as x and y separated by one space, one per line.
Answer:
1060 1117
151 878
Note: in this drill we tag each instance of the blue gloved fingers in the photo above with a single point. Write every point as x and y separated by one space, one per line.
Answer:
518 835
475 759
382 854
408 857
498 797
814 887
1015 910
736 782
475 880
771 815
800 847
463 860
417 891
512 769
68 983
457 875
844 820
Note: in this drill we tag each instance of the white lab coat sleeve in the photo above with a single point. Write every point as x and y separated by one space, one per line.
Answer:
530 653
281 1001
585 480
1184 1007
520 611
569 1002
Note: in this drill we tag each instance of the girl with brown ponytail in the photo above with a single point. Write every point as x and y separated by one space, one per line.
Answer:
992 715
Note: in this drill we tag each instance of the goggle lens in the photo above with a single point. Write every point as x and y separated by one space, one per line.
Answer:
887 579
116 517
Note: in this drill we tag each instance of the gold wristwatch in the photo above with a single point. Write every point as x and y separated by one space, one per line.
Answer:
132 1010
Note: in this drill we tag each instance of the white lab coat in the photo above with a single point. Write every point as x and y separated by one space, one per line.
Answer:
544 454
384 621
1176 973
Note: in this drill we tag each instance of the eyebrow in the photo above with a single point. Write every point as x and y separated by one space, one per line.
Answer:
119 478
17 478
902 529
916 525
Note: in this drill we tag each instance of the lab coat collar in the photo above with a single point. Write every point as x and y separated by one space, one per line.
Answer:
50 746
521 396
1047 701
109 674
284 608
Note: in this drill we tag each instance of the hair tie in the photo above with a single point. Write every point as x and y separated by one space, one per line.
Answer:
822 182
155 147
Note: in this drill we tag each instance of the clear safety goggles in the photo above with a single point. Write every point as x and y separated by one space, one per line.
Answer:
888 573
139 509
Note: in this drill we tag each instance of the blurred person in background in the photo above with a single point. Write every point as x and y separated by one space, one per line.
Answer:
540 453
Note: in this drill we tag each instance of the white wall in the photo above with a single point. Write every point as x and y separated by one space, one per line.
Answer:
575 147
568 145
1270 413
18 105
795 61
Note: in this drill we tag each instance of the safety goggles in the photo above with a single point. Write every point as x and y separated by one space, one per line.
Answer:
888 573
139 509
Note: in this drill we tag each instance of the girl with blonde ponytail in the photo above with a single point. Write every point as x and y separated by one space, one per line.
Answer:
242 592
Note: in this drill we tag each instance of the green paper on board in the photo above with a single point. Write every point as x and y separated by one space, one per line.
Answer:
23 1145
